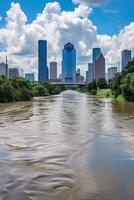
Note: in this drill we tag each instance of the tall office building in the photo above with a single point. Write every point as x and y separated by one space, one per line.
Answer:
69 64
98 64
4 69
90 72
96 53
13 72
111 72
53 71
86 79
42 59
125 58
79 78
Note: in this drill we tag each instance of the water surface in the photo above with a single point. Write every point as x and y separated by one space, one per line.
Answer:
67 147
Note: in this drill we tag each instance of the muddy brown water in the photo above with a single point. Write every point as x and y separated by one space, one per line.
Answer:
67 147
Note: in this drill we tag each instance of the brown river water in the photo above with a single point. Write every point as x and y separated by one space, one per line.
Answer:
67 147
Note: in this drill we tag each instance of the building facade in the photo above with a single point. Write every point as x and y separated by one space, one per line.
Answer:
98 64
69 64
125 58
30 77
79 77
13 72
42 59
96 53
90 72
111 72
3 69
53 71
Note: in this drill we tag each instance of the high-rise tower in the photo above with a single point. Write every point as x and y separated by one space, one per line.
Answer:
125 58
42 59
98 64
69 64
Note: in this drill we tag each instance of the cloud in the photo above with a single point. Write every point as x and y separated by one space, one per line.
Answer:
113 45
57 27
20 38
89 2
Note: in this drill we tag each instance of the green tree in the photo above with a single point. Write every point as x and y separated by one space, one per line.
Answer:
127 87
102 83
115 85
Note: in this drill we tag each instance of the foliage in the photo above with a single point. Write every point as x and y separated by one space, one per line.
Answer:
123 83
15 89
105 93
91 86
93 91
102 83
127 87
82 88
115 85
46 89
20 89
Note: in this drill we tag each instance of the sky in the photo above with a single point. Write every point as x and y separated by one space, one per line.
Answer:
108 24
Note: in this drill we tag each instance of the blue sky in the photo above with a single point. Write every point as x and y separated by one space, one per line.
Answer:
109 17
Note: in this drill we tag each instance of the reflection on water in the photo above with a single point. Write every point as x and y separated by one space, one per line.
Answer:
67 147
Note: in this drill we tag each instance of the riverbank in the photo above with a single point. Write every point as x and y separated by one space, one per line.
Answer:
19 89
108 94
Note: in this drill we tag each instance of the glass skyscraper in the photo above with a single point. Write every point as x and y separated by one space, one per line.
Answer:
125 58
90 71
98 64
69 64
53 71
42 59
96 53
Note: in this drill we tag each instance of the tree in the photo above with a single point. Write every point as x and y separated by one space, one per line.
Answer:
115 85
92 85
102 83
127 87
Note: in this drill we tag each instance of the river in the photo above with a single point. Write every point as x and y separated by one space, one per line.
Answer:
67 147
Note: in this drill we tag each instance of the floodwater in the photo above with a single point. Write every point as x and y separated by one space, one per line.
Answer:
67 147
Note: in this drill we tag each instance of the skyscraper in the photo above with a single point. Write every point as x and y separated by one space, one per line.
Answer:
69 64
98 64
42 59
79 78
4 68
125 58
90 72
96 53
111 72
13 72
53 71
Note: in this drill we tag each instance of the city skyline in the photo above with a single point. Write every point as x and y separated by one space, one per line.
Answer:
64 24
70 72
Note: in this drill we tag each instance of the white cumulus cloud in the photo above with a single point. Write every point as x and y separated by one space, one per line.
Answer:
20 38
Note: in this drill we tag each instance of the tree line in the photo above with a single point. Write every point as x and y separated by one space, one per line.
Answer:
121 84
20 89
